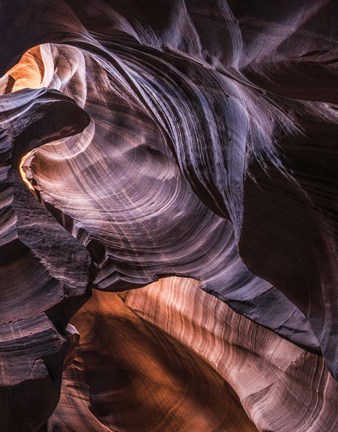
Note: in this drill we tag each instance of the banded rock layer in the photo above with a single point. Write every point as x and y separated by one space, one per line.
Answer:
186 138
145 361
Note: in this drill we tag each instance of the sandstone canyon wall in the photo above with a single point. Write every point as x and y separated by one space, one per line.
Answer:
168 216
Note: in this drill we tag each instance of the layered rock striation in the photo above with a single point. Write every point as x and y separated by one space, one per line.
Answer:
193 139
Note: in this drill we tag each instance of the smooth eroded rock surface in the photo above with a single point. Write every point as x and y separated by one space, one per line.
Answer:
195 140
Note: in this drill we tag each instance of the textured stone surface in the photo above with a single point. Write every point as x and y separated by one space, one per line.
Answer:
44 271
143 139
145 365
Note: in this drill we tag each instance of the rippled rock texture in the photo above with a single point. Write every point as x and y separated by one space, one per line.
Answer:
177 160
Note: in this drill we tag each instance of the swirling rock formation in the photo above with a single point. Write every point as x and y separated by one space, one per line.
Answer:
158 345
44 272
183 138
132 375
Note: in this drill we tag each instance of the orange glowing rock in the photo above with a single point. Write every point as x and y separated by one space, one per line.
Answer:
29 72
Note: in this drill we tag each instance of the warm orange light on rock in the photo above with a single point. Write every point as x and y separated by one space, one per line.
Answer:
23 172
29 72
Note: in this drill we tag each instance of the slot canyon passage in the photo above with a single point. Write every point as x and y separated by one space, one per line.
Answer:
168 216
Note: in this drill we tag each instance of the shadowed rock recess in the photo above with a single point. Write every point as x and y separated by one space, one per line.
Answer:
168 216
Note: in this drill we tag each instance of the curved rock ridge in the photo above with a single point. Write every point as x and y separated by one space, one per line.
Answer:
130 375
168 81
44 272
186 138
140 351
119 191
